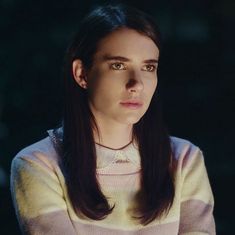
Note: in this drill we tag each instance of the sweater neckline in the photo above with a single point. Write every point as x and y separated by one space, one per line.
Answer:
115 149
125 160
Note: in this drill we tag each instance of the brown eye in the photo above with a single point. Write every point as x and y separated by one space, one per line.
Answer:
150 67
118 66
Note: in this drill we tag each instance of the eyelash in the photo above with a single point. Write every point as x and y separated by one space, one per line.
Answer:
153 67
112 66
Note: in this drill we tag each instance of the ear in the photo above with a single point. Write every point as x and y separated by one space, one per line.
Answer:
79 73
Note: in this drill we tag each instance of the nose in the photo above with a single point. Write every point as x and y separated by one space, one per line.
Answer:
135 83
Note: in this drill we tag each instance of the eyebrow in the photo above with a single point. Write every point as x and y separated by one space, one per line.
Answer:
124 59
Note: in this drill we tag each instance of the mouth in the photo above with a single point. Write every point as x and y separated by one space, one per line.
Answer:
132 104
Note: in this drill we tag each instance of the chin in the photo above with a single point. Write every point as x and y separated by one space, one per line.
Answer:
132 120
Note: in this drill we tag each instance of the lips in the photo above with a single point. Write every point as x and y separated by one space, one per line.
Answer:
132 104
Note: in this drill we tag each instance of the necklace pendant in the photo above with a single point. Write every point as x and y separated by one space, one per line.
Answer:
121 157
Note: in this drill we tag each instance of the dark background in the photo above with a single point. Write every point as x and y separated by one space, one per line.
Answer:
196 81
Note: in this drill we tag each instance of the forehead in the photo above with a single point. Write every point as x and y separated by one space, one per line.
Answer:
128 43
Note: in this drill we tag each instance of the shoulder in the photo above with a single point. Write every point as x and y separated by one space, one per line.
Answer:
41 153
185 151
180 145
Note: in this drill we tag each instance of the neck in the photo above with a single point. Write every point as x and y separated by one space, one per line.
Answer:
114 136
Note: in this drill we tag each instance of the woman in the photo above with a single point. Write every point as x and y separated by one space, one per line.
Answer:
112 168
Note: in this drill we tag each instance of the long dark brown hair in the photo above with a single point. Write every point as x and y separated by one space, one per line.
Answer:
77 148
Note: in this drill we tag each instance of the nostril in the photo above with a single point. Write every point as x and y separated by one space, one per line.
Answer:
132 90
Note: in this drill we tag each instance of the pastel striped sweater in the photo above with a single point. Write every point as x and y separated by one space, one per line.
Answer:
43 207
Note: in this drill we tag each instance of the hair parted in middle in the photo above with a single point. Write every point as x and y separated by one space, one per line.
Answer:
77 146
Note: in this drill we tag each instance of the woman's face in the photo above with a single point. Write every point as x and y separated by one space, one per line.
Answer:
123 70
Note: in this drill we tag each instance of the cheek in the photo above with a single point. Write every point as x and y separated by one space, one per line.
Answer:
105 93
151 86
102 78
